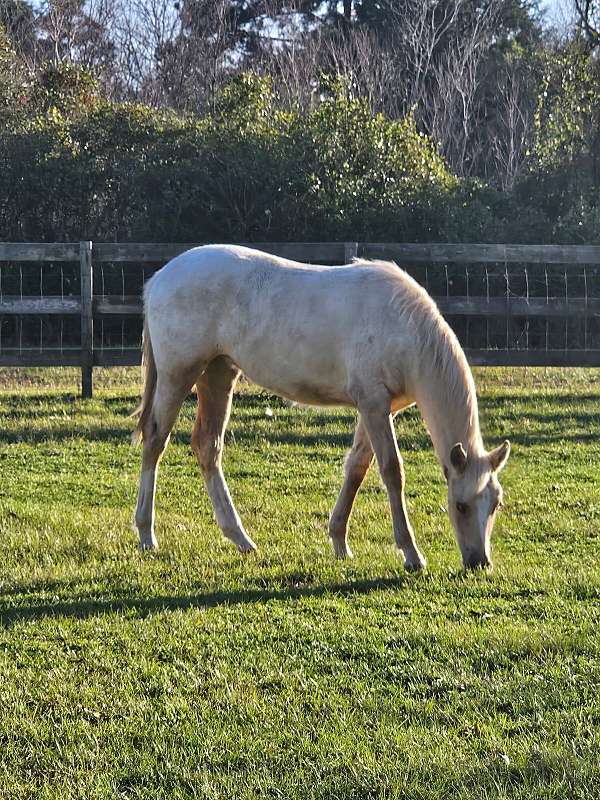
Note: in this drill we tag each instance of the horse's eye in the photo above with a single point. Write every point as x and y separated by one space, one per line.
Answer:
462 508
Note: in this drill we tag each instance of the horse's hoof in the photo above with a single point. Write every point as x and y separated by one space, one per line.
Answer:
240 539
149 546
244 545
249 547
341 551
415 566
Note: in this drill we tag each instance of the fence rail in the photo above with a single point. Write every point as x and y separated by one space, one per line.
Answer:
459 276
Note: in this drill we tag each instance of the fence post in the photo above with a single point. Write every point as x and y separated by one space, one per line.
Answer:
87 323
350 251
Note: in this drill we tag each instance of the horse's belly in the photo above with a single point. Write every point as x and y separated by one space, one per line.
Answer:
313 395
290 380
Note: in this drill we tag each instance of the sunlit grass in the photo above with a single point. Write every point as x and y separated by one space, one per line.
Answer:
197 673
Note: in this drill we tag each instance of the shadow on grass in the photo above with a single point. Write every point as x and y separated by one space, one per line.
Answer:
314 429
286 437
549 395
237 435
33 434
143 606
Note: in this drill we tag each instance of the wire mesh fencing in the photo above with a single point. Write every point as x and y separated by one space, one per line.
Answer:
512 304
518 306
39 304
118 289
26 333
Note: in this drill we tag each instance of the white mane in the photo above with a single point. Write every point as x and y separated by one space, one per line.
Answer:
440 352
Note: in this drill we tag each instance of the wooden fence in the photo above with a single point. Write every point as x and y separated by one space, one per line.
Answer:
92 307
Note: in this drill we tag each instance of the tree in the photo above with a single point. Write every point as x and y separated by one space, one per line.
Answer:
76 31
509 131
18 19
588 14
13 81
567 118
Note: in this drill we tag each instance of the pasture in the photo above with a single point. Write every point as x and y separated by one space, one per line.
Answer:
196 673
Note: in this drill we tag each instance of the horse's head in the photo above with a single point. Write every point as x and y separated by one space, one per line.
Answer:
474 497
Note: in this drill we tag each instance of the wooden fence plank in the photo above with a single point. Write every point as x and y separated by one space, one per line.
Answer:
318 251
40 358
117 304
481 253
533 358
131 305
26 251
324 252
138 252
518 306
11 305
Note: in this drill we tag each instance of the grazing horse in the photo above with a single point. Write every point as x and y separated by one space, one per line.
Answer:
364 335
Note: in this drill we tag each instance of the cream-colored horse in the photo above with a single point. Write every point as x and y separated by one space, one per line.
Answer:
364 335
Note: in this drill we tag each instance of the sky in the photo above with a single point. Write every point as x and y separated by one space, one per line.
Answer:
558 10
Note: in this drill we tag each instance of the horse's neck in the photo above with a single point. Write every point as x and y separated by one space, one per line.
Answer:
448 402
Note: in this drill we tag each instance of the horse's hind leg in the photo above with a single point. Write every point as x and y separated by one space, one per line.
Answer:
357 463
215 392
166 404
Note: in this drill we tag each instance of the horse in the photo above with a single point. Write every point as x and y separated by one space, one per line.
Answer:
364 335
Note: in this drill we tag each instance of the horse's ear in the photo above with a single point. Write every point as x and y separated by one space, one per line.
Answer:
458 457
499 456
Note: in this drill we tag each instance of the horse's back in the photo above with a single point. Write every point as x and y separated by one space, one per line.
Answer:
297 329
253 274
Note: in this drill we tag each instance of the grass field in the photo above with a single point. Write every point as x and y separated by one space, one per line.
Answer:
195 673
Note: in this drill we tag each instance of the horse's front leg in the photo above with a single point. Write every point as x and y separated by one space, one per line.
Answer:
378 421
356 466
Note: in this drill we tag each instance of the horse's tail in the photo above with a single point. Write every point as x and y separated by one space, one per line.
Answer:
144 409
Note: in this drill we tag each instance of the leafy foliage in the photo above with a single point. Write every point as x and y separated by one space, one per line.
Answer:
567 112
246 172
253 167
13 81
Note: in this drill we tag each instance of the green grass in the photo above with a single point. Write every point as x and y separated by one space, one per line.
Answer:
195 673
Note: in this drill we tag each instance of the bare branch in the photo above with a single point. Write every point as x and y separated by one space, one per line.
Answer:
588 12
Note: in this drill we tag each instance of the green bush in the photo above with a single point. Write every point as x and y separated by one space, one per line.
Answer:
73 165
248 172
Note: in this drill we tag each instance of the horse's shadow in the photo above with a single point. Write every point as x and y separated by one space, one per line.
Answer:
144 606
